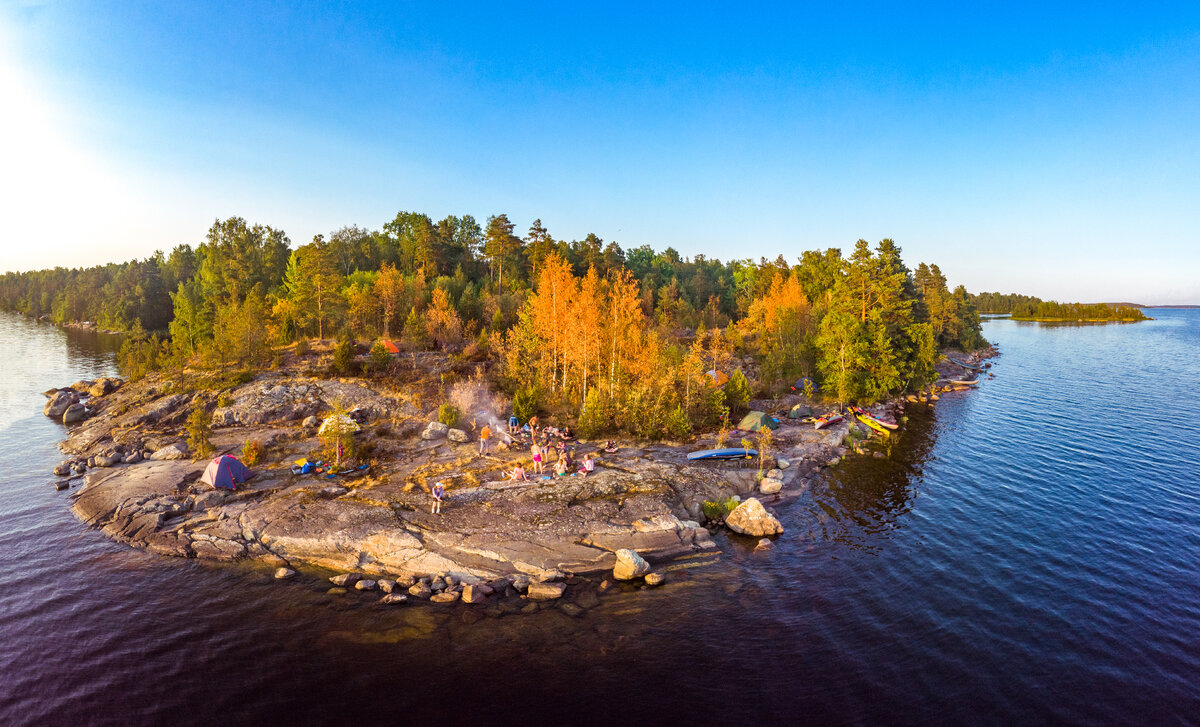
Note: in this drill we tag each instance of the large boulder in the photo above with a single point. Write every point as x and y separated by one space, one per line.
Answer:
770 485
103 387
629 565
178 450
435 430
74 413
458 435
751 518
59 403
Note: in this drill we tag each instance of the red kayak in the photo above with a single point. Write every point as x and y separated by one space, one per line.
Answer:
831 418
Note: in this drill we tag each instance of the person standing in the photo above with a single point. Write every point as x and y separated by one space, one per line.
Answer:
536 451
484 436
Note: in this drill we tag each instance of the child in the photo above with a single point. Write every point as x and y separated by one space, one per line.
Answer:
514 426
518 472
561 468
439 490
588 465
484 436
610 446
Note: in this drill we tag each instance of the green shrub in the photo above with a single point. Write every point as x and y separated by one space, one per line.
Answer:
343 356
448 414
302 347
737 393
199 429
379 357
593 419
677 425
525 404
716 510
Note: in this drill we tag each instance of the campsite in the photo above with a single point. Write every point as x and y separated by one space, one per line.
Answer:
345 467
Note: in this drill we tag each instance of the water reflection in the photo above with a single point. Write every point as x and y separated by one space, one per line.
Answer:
865 498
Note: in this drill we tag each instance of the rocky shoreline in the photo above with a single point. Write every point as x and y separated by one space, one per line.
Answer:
642 508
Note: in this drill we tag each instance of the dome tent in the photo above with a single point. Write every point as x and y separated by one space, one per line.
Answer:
756 420
226 472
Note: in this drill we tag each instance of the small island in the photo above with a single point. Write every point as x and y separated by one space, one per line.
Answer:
442 353
1052 311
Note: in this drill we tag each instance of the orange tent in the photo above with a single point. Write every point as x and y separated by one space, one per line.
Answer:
391 347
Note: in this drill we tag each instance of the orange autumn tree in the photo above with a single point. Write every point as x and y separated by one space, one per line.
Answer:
442 324
781 319
585 344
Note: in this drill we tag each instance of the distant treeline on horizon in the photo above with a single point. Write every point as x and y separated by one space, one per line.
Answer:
1027 307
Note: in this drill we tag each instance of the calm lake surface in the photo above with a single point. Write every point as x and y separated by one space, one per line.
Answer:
1029 553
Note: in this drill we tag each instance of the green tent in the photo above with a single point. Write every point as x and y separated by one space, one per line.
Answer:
800 411
755 421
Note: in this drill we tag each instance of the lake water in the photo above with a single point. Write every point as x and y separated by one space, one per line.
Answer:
1029 553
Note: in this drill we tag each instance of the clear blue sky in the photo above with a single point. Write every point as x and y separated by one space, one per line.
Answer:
1052 152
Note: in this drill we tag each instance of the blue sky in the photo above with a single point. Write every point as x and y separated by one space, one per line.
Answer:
1054 152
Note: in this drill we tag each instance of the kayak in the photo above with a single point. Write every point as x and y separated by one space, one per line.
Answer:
831 418
964 364
729 453
872 421
964 382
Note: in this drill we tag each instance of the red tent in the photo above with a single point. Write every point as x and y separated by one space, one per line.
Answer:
226 472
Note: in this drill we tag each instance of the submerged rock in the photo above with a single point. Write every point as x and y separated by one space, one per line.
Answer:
345 579
282 573
655 579
394 598
546 591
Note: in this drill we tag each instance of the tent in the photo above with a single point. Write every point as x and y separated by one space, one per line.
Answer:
800 383
391 347
756 420
718 378
800 411
226 472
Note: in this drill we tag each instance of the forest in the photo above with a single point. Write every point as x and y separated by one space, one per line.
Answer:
620 340
993 303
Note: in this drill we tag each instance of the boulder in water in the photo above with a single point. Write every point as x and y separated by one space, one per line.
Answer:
751 518
629 565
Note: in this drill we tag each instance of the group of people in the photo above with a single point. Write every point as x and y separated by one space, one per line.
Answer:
541 450
541 454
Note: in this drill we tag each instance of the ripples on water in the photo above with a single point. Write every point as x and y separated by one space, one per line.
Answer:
1028 553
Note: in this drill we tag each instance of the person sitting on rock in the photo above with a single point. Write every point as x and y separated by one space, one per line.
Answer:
566 432
518 472
588 465
610 446
561 468
438 492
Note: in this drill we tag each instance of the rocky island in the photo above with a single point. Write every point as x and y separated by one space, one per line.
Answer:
643 504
